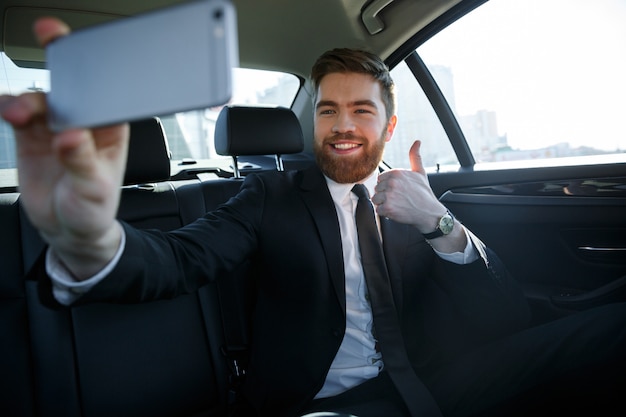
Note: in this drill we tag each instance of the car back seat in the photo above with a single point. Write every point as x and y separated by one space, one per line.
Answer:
226 304
153 359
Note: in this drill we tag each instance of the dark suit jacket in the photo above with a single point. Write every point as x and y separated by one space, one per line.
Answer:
288 224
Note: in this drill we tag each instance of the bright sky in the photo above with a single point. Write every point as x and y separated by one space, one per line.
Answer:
554 70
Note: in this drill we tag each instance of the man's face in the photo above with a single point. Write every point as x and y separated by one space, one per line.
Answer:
351 127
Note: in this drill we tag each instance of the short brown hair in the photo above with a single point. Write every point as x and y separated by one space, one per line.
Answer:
355 60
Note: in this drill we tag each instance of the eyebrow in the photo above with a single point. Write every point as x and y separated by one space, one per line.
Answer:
330 103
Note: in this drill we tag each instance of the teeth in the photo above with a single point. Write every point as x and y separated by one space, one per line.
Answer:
345 145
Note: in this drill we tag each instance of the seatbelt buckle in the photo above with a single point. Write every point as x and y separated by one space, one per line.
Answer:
236 358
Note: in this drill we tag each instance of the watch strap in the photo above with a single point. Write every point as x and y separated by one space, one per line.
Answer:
432 235
438 232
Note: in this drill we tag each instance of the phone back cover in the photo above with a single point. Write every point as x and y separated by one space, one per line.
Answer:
162 62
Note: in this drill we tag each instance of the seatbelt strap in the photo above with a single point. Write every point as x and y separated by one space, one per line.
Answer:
231 306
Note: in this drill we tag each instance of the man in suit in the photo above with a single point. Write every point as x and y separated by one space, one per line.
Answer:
314 342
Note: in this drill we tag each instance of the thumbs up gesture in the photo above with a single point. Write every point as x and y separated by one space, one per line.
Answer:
405 196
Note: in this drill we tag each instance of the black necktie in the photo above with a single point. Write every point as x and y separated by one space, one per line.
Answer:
416 396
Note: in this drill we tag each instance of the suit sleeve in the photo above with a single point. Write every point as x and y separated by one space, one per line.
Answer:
161 265
486 296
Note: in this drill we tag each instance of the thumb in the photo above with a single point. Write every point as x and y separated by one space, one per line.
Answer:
415 158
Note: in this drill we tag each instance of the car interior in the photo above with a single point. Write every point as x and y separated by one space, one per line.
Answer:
559 228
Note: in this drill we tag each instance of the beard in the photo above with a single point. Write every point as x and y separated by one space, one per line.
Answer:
346 169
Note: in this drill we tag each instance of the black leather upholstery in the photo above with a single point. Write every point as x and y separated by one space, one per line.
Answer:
17 382
148 153
257 131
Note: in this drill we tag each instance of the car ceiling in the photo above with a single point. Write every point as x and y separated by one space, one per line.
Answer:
284 35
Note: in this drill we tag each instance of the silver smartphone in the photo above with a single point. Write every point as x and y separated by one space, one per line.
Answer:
174 59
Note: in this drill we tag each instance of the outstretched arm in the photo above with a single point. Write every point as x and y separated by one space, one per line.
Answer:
69 181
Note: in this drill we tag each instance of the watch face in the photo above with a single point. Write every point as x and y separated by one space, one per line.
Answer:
446 224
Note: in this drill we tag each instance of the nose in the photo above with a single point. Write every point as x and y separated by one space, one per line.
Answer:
343 123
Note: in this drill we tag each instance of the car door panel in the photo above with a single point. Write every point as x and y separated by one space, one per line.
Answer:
560 231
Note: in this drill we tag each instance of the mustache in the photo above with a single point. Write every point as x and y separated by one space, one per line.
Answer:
343 136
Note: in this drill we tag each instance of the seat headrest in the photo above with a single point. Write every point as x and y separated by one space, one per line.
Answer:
148 153
242 130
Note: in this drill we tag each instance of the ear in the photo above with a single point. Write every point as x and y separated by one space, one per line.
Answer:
391 126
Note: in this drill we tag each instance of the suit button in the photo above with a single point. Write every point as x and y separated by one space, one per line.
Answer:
336 332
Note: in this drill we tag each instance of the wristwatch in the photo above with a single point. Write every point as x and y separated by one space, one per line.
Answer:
444 227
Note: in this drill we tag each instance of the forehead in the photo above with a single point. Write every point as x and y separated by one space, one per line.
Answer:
348 87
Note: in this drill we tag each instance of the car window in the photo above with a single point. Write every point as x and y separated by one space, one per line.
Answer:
417 120
190 134
15 80
528 80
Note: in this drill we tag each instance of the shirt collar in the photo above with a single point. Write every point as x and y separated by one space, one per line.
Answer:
339 191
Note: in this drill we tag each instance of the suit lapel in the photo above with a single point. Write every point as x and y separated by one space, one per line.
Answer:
395 237
319 202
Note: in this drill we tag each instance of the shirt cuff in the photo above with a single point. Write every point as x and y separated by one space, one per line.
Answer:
468 256
65 288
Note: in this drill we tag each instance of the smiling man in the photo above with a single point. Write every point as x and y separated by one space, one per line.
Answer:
454 316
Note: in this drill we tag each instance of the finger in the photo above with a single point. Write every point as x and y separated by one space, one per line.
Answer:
22 110
385 178
48 29
378 198
415 158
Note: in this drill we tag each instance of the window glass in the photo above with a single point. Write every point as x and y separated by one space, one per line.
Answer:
417 120
190 134
14 80
535 79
